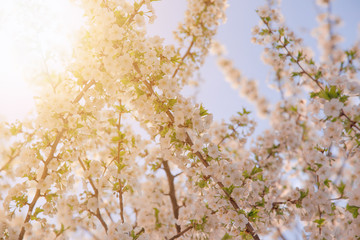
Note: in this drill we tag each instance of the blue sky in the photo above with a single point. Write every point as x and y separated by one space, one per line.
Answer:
216 94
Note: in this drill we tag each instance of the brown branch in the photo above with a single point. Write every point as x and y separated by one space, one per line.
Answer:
292 56
109 214
280 233
275 205
46 163
14 155
249 227
129 20
92 82
181 233
183 58
151 90
121 204
12 158
96 195
81 94
229 135
352 123
43 176
142 230
172 193
136 218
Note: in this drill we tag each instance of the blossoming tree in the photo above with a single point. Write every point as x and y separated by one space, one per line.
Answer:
80 167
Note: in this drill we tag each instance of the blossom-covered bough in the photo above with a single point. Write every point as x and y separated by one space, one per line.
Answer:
80 166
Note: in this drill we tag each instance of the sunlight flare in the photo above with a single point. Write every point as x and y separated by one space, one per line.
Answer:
37 38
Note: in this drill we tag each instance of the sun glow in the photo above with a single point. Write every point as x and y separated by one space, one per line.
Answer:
37 38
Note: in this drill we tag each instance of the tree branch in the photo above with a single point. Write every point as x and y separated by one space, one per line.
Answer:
249 227
172 193
181 233
81 94
183 58
121 204
96 195
43 176
292 56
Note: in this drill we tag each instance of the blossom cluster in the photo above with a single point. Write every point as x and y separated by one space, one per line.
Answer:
116 151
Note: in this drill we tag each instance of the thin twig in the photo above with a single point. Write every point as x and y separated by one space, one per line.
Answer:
296 60
352 123
96 195
81 94
121 204
181 233
183 58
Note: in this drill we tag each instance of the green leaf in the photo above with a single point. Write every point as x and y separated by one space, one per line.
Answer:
354 210
121 108
264 32
294 74
133 141
136 5
99 87
314 94
112 121
157 223
229 190
253 214
281 31
246 174
244 112
260 204
138 91
164 131
50 196
15 129
64 169
37 211
171 102
175 59
293 109
62 229
260 177
116 139
202 183
330 93
343 98
303 194
286 42
327 182
318 75
226 237
20 200
256 170
324 94
203 111
341 188
320 222
299 56
333 93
